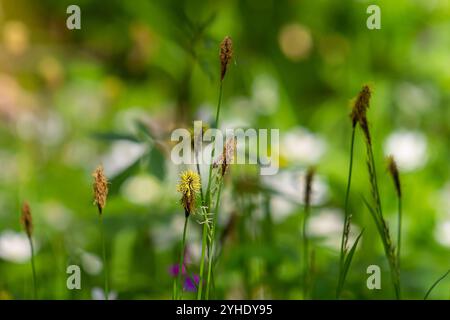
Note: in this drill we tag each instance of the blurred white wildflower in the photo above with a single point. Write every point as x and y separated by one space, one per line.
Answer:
327 223
442 232
91 263
166 235
301 146
14 246
48 129
409 149
56 215
141 189
98 294
290 189
413 98
10 168
121 156
265 95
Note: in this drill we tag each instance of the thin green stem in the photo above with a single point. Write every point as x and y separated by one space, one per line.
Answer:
399 231
33 268
212 240
346 218
393 264
305 253
180 269
216 124
202 260
435 284
102 234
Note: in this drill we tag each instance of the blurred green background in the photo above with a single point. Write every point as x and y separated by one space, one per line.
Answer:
112 92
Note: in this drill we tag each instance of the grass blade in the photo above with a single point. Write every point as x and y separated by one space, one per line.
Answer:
435 284
347 263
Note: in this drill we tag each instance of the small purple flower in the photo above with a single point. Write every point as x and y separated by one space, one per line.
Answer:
174 269
190 283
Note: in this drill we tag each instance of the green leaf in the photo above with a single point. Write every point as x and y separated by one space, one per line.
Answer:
119 179
157 165
347 263
435 284
114 136
144 131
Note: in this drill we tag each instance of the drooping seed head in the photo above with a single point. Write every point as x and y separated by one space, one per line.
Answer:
226 53
393 170
26 219
100 188
189 187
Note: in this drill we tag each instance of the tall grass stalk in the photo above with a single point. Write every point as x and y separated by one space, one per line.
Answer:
226 52
189 187
100 187
393 170
359 115
305 240
105 265
33 268
213 244
179 290
347 218
26 220
202 260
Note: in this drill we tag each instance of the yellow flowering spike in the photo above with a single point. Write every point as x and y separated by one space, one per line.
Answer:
189 187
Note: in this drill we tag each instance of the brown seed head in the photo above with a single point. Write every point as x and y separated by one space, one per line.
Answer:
226 53
26 219
100 188
361 104
359 111
227 156
393 170
308 185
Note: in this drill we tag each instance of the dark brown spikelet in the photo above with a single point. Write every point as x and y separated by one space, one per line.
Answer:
393 170
26 219
308 185
100 188
226 53
359 111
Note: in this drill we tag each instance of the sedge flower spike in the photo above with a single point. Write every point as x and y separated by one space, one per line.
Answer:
26 219
226 53
100 188
189 187
393 170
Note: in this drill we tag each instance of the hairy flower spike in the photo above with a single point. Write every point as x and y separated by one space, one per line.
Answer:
227 156
360 106
393 170
26 219
100 188
226 53
189 186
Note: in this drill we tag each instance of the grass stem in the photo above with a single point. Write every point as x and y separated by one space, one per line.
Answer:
180 269
33 268
102 234
346 226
